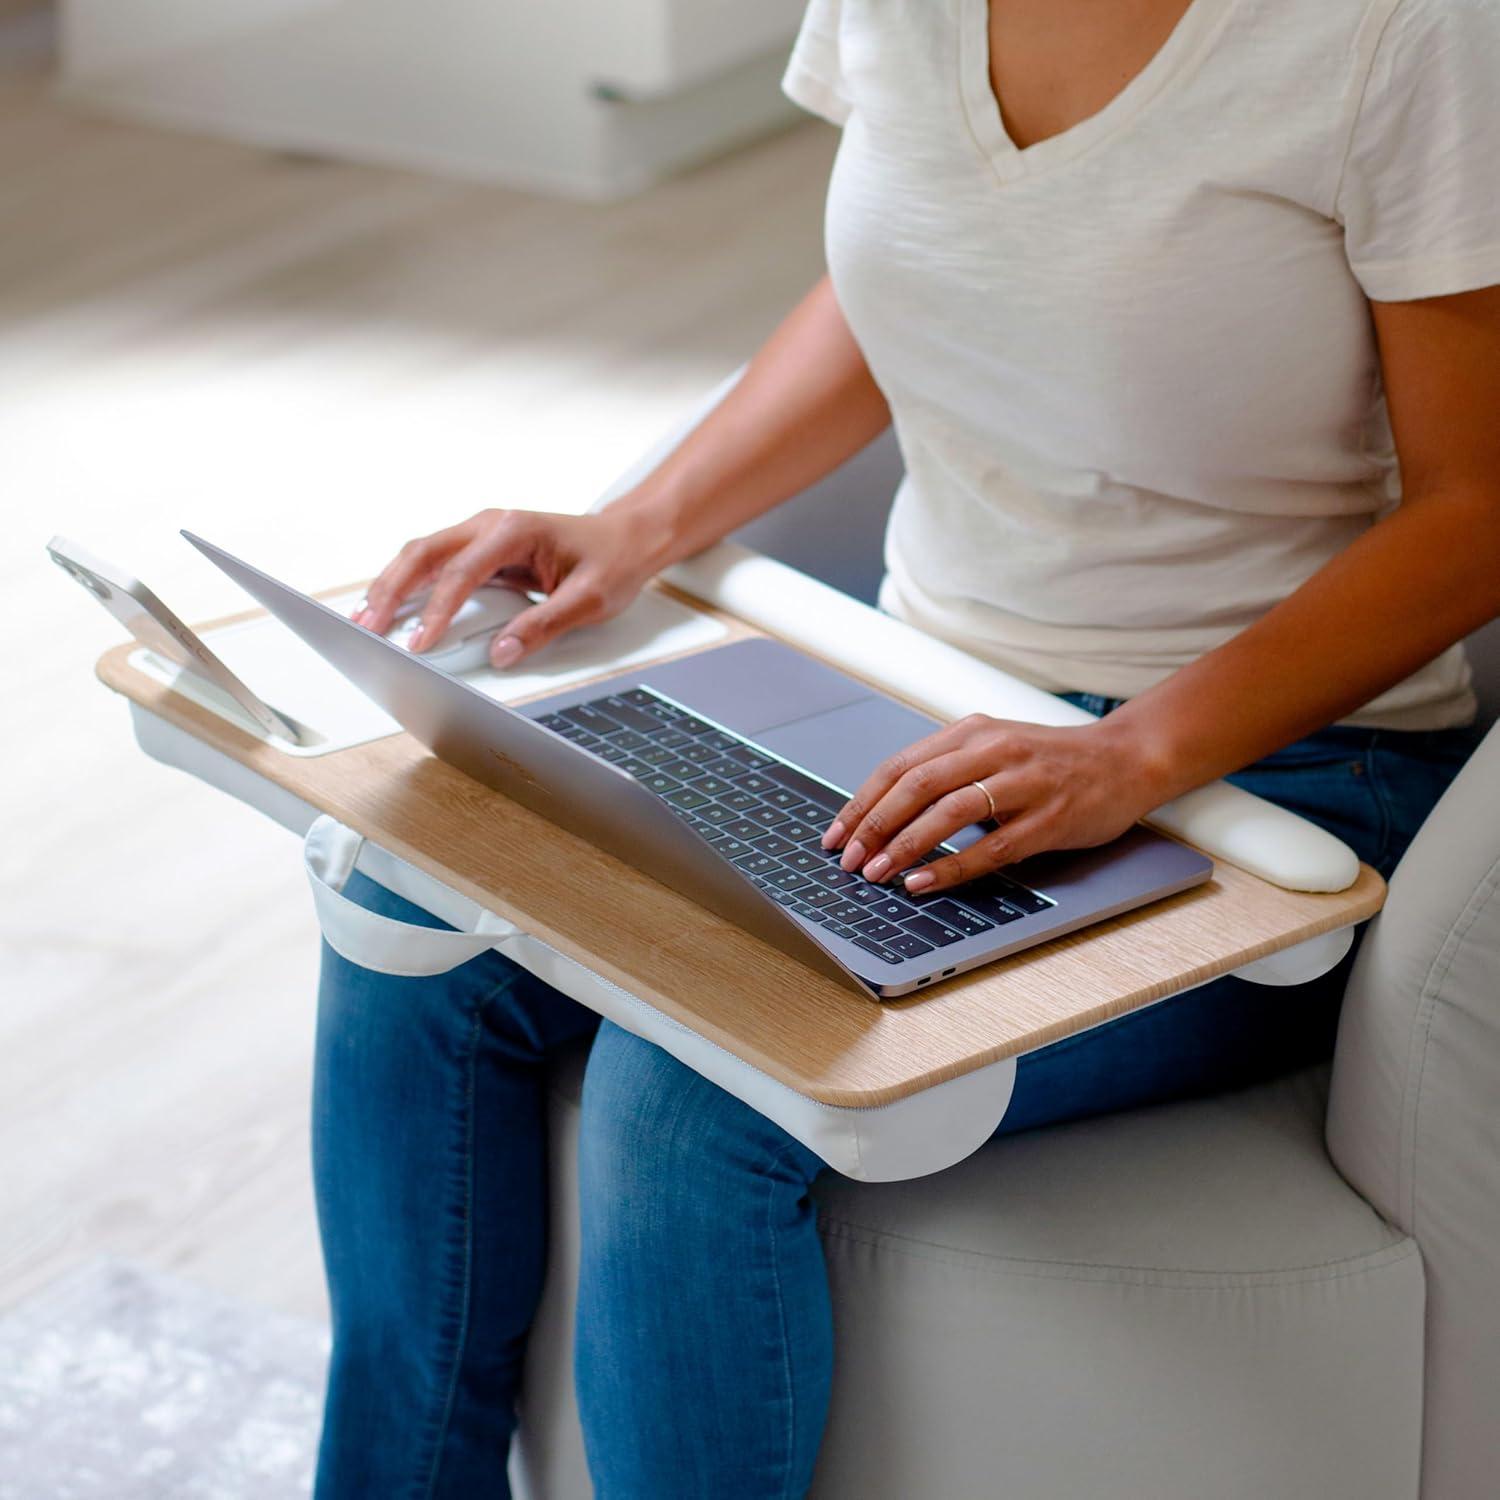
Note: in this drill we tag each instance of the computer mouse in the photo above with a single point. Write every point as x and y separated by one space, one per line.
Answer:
465 644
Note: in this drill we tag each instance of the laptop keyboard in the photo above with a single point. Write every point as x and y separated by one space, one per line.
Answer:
768 817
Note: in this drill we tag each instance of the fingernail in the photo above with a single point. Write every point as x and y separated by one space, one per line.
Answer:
505 651
919 880
834 836
854 856
877 867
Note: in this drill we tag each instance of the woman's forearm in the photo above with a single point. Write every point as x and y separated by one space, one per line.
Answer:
805 403
1412 585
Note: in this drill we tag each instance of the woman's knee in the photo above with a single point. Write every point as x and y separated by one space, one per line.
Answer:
652 1126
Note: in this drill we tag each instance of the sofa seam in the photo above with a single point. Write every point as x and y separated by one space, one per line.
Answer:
1171 1278
1483 894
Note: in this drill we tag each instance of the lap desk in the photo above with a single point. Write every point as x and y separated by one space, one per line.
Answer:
879 1090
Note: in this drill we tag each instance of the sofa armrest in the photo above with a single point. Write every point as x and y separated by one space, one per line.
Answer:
1414 1117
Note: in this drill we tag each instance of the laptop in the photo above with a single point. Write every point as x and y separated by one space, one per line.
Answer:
716 774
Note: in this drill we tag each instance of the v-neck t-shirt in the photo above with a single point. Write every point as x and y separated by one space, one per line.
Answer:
1132 367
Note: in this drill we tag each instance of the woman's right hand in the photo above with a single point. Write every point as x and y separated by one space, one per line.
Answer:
590 567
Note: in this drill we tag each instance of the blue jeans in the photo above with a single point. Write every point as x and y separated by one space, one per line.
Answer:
705 1344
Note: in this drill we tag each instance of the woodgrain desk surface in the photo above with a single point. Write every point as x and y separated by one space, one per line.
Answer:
767 1009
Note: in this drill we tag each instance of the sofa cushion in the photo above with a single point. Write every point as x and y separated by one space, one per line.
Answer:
1178 1302
1185 1301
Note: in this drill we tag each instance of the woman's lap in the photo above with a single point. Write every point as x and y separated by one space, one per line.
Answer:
429 1127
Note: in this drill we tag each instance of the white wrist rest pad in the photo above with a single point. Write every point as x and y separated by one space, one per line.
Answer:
1222 820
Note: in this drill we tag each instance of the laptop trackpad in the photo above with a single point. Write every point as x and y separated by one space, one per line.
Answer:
843 745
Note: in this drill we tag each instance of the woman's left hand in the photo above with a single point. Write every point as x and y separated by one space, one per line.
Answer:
1051 788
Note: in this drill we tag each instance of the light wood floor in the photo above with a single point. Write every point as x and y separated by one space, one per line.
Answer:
308 362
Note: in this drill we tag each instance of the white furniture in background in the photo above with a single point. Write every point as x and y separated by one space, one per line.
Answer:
588 98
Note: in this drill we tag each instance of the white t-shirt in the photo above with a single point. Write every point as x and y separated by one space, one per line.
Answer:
1132 368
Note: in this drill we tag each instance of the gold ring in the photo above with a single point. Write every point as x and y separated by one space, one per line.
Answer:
983 788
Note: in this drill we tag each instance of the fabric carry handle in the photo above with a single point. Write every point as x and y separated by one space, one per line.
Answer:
330 854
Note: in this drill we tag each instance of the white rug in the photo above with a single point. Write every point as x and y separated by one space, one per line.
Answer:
117 1383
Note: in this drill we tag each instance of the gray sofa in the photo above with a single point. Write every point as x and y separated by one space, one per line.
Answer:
1286 1293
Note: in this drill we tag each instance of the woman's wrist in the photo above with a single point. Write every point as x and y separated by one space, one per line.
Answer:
1145 755
654 530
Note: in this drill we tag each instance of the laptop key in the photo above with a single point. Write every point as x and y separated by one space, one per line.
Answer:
687 799
866 895
712 786
1020 896
716 739
991 906
810 812
892 910
954 915
837 879
657 755
767 817
753 781
909 946
633 716
803 859
816 896
773 843
738 800
827 921
939 934
839 930
713 813
729 847
750 759
723 766
847 911
809 790
660 783
743 828
802 832
635 766
672 739
788 880
782 798
870 946
756 863
874 927
697 753
684 770
586 716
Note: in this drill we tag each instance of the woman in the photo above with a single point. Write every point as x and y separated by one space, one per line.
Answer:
1153 293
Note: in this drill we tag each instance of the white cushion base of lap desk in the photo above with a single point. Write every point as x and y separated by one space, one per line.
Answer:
922 1133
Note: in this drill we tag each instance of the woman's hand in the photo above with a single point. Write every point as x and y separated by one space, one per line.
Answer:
590 567
1051 789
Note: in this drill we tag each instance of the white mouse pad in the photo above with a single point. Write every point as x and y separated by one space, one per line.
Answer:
291 677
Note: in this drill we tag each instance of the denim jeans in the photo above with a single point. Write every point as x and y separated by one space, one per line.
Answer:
704 1353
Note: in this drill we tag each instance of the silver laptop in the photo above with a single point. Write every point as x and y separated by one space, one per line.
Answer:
716 774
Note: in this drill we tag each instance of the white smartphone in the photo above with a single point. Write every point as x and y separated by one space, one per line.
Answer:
155 626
